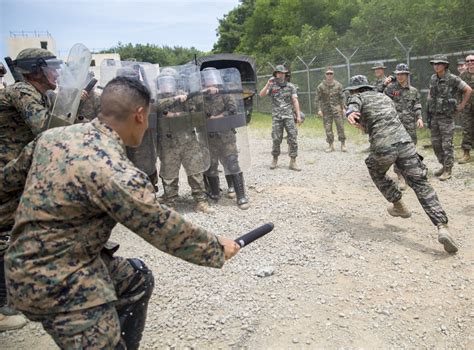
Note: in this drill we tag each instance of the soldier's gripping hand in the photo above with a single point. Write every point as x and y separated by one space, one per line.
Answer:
181 98
84 95
230 247
419 124
320 113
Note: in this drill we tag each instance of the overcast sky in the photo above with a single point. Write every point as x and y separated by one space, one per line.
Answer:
102 24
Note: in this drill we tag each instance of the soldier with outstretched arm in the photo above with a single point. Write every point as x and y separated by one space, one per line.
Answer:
78 184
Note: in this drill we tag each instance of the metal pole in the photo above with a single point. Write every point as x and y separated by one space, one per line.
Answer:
348 62
307 80
407 52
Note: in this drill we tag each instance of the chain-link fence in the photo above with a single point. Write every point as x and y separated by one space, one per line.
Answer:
307 71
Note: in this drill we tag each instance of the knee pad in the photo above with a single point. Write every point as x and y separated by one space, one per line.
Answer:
232 164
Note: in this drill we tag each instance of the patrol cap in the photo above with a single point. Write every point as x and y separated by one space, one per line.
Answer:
378 65
329 70
439 59
280 68
401 68
357 82
461 61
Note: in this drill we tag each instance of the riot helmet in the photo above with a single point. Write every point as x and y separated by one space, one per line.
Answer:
211 77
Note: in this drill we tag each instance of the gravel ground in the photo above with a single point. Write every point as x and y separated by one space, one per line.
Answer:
340 272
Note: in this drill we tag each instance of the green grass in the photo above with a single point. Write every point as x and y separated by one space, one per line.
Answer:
313 127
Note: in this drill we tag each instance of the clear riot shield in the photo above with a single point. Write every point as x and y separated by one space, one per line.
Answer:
71 80
226 120
182 135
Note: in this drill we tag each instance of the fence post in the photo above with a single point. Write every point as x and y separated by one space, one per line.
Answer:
348 63
407 52
307 80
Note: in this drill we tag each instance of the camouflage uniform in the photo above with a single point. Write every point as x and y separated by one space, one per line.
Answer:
442 107
283 117
330 100
80 184
468 114
222 145
379 84
408 106
90 108
391 144
178 148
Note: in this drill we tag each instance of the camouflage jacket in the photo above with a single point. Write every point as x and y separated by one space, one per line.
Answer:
444 92
468 78
407 103
80 184
379 118
90 108
215 104
378 84
282 103
23 114
329 98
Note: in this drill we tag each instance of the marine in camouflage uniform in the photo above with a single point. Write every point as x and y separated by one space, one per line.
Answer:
379 71
390 144
181 146
467 115
444 87
3 72
222 144
329 102
24 113
78 184
284 107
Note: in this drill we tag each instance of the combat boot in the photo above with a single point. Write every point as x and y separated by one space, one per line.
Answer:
343 147
293 165
242 200
439 172
401 182
212 187
274 163
230 187
9 322
466 157
399 208
330 148
203 207
446 175
445 239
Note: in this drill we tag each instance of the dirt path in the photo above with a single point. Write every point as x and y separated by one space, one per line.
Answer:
346 274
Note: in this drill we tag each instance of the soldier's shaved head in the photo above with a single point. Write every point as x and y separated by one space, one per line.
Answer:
122 96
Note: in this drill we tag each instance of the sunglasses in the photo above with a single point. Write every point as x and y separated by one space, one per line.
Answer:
329 73
469 61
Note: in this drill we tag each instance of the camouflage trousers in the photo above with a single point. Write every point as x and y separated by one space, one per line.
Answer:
328 120
196 182
101 327
223 148
442 132
467 119
288 124
411 166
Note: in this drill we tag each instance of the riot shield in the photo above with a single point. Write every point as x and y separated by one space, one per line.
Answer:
181 120
71 80
144 156
226 120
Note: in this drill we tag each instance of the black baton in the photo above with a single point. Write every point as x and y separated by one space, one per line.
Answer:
251 236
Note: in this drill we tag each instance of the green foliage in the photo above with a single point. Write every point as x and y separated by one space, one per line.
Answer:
278 30
164 55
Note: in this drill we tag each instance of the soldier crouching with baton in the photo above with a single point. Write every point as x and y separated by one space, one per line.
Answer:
78 184
375 113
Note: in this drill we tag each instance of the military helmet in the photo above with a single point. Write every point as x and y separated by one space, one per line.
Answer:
129 72
166 81
3 70
439 59
379 65
357 82
168 71
280 68
211 76
402 68
32 59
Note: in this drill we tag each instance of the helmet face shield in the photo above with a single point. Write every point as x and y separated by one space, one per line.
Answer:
51 69
166 84
211 77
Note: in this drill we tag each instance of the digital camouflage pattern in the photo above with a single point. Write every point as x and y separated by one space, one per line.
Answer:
283 117
379 118
180 147
24 112
442 101
90 108
408 106
378 84
467 116
222 145
330 100
79 186
390 144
